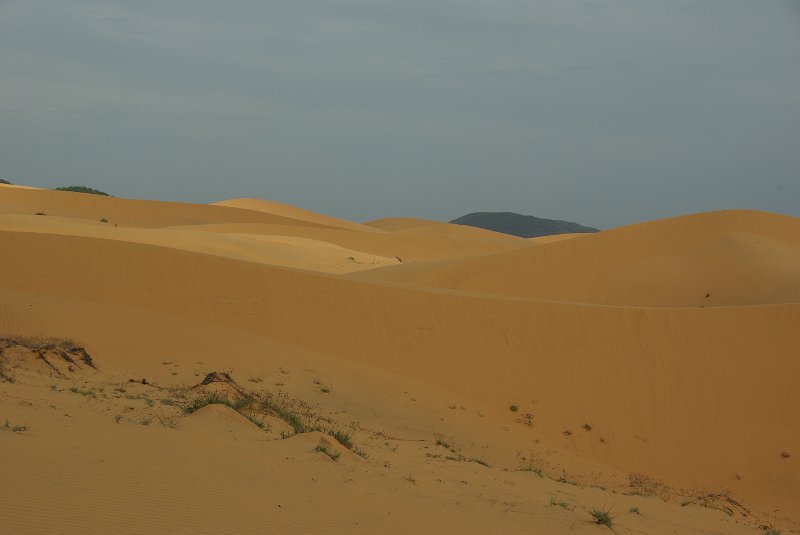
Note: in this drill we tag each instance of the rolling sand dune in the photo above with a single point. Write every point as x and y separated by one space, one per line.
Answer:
408 247
293 212
454 391
392 224
126 212
714 259
288 251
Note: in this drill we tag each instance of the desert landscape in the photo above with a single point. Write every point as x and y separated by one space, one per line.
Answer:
248 366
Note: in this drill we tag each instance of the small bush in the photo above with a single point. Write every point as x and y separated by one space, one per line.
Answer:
4 181
83 189
334 455
603 517
343 439
287 416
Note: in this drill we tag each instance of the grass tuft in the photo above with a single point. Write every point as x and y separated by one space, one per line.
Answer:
332 454
603 517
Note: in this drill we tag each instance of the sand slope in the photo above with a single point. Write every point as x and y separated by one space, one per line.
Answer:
696 405
293 212
714 259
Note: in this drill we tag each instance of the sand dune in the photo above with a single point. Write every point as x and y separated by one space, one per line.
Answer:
408 247
392 224
293 212
288 251
435 369
127 212
714 259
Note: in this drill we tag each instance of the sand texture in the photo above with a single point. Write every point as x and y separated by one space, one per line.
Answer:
253 367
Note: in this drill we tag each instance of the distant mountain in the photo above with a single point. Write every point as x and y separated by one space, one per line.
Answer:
525 226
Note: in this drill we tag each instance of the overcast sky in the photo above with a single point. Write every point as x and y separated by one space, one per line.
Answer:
602 112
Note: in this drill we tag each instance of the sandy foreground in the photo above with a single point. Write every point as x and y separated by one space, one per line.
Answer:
252 367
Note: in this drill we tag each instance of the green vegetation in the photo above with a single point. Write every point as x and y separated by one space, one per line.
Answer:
441 442
772 531
635 510
332 454
284 414
83 189
85 393
603 517
461 458
4 181
211 399
343 439
562 504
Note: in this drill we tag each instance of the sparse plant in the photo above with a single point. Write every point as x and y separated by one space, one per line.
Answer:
772 531
342 438
238 405
785 454
560 503
15 428
334 455
284 414
514 408
634 510
587 427
532 463
440 441
85 393
4 181
603 517
461 458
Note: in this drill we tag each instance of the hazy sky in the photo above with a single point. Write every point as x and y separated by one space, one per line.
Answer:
603 112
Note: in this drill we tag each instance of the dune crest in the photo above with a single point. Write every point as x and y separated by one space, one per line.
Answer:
714 259
293 212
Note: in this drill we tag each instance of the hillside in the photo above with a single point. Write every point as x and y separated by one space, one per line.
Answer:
524 226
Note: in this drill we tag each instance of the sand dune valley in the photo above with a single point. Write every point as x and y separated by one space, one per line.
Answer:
252 367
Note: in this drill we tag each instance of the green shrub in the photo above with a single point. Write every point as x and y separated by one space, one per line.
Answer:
603 517
83 189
